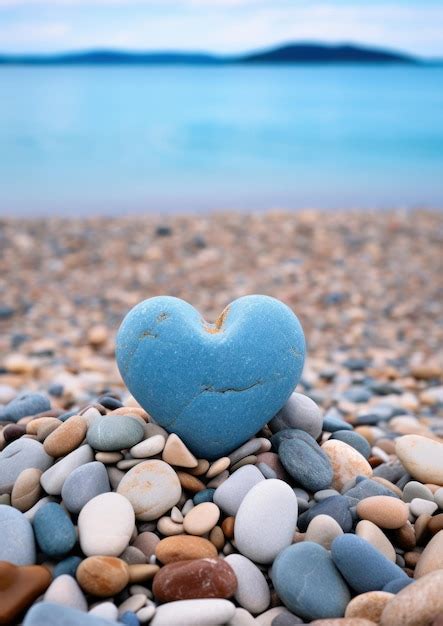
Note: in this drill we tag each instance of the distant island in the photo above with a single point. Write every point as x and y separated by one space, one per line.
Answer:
291 53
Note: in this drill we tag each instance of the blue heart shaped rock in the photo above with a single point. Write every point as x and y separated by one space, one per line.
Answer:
214 385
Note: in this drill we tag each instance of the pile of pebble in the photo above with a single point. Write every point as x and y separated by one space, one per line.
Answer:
327 516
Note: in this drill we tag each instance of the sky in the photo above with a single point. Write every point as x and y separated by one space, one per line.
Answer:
221 26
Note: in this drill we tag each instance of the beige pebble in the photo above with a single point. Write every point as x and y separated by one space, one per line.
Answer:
167 527
148 447
42 427
97 335
388 485
134 603
343 621
323 529
417 604
218 467
201 519
108 458
369 605
384 511
346 462
251 459
176 453
131 411
201 468
432 556
176 515
27 489
422 457
217 537
140 573
372 534
66 437
126 464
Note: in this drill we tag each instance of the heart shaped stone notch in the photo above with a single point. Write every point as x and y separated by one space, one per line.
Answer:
214 385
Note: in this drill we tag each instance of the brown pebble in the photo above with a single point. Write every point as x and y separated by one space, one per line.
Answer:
43 426
11 432
190 483
103 576
375 461
184 547
197 578
202 468
272 460
404 537
141 573
27 489
147 543
384 511
19 587
228 527
421 528
66 437
435 524
368 605
247 460
411 558
217 537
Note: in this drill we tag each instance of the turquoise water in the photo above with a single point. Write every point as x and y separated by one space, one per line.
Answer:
76 140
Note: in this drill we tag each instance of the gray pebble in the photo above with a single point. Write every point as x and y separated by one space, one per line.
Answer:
230 493
18 456
299 412
414 489
83 484
17 544
304 460
247 449
24 405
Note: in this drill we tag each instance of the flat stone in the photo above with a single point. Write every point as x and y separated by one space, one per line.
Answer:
49 614
419 506
148 447
19 455
103 576
416 604
152 487
308 583
197 578
53 479
299 412
229 495
366 488
54 531
353 439
431 558
333 421
27 489
384 511
114 432
219 466
369 605
422 457
349 552
23 405
304 460
105 525
20 586
266 520
323 529
83 484
207 612
201 519
252 590
65 590
370 532
414 489
336 507
184 547
176 453
147 543
133 556
346 462
66 437
17 543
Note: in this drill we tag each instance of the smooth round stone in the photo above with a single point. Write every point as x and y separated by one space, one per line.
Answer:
65 590
421 457
20 586
52 480
67 566
148 447
413 489
369 605
176 453
346 462
54 531
105 525
370 532
384 511
197 578
367 487
350 552
134 603
27 489
184 547
266 520
247 449
432 556
201 519
241 617
152 487
129 619
49 614
323 529
103 576
252 589
114 432
133 556
106 610
207 495
17 543
147 543
66 437
299 412
416 604
207 612
419 506
20 455
229 495
336 507
394 586
353 439
83 484
307 582
304 460
218 467
23 405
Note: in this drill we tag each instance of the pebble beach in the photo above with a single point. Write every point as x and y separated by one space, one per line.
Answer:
332 514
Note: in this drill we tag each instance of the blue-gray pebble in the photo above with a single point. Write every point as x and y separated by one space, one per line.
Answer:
363 566
205 495
17 543
129 618
304 460
54 531
114 432
334 421
67 566
18 456
334 506
49 614
366 488
394 586
353 439
308 583
24 405
83 484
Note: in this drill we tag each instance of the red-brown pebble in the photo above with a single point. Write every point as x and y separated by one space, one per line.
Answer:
19 587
